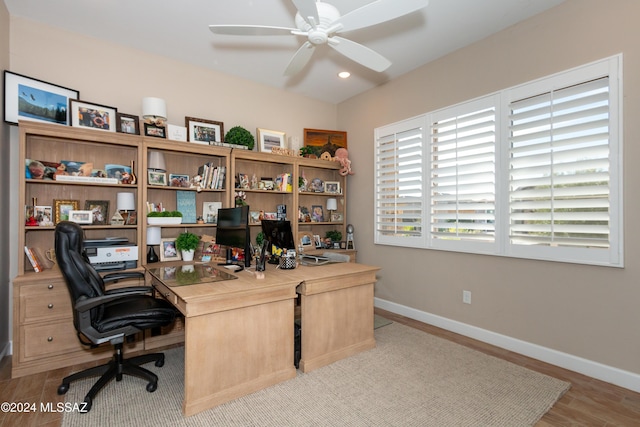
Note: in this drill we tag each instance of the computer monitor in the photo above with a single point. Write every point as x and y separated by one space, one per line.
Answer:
279 233
233 231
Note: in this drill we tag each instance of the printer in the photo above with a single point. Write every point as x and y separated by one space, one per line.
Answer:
111 253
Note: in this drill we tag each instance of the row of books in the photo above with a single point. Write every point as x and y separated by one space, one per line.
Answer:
34 259
212 176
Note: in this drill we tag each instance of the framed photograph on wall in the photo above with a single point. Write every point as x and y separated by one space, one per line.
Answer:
92 116
201 131
324 140
168 250
26 98
268 139
99 210
61 209
127 123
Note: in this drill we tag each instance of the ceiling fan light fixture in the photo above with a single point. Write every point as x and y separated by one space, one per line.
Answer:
344 74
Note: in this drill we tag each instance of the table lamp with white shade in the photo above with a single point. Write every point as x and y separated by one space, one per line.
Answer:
154 110
125 203
332 205
154 237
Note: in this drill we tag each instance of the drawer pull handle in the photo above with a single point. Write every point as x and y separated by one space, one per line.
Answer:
167 295
50 306
50 286
50 339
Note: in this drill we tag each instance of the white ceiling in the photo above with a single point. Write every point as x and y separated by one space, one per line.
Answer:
179 29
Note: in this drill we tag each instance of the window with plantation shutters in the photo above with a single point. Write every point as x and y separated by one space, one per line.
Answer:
533 171
400 184
463 171
559 167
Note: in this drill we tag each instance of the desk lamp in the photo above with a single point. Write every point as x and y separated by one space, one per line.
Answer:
154 236
332 205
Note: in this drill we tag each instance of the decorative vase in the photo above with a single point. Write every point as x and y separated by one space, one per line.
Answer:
188 255
134 178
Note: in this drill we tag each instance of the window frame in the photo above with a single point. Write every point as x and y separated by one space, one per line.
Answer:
612 256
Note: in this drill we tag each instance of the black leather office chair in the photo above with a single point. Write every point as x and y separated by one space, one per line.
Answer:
103 316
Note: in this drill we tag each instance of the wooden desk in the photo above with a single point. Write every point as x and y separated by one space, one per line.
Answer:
239 335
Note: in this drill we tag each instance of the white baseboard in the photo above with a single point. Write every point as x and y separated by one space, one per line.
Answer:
619 377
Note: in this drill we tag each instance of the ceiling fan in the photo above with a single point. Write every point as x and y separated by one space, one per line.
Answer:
320 22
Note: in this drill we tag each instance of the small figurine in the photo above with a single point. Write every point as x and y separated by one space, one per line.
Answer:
196 182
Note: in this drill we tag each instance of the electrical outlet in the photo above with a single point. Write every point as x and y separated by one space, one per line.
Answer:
466 297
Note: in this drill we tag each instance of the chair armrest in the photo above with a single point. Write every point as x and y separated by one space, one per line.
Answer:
112 295
114 277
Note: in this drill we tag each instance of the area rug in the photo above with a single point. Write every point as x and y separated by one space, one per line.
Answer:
411 378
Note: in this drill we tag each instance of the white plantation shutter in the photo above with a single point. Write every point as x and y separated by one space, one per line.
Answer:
559 167
400 183
463 173
533 171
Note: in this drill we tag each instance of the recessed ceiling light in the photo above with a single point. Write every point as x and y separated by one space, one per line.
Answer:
344 74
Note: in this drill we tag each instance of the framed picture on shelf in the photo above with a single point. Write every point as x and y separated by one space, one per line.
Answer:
99 210
332 187
155 131
26 98
324 140
306 239
268 139
317 241
336 217
168 250
127 123
61 209
43 214
179 180
157 178
210 212
92 116
317 213
80 217
201 131
254 217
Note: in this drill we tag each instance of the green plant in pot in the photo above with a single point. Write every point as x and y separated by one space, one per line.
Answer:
240 136
187 243
333 236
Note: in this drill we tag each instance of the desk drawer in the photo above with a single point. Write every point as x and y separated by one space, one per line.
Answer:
168 294
49 339
44 301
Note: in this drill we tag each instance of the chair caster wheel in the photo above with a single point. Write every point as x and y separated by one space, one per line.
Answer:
151 387
63 389
160 363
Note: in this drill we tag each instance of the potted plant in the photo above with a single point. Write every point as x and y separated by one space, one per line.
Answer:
187 243
333 236
164 217
308 152
240 136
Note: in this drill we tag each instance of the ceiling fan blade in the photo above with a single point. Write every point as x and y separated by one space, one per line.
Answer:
377 12
306 9
360 54
300 59
250 30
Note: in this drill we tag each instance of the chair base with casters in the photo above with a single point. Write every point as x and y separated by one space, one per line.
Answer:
116 368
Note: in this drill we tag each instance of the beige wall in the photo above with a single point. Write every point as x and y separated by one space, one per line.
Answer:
589 312
5 157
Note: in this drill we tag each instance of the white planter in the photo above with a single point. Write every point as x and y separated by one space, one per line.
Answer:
188 255
164 220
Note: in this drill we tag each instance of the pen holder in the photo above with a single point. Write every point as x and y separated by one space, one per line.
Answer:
287 263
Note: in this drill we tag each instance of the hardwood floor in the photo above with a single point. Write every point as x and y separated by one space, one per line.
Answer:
589 402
